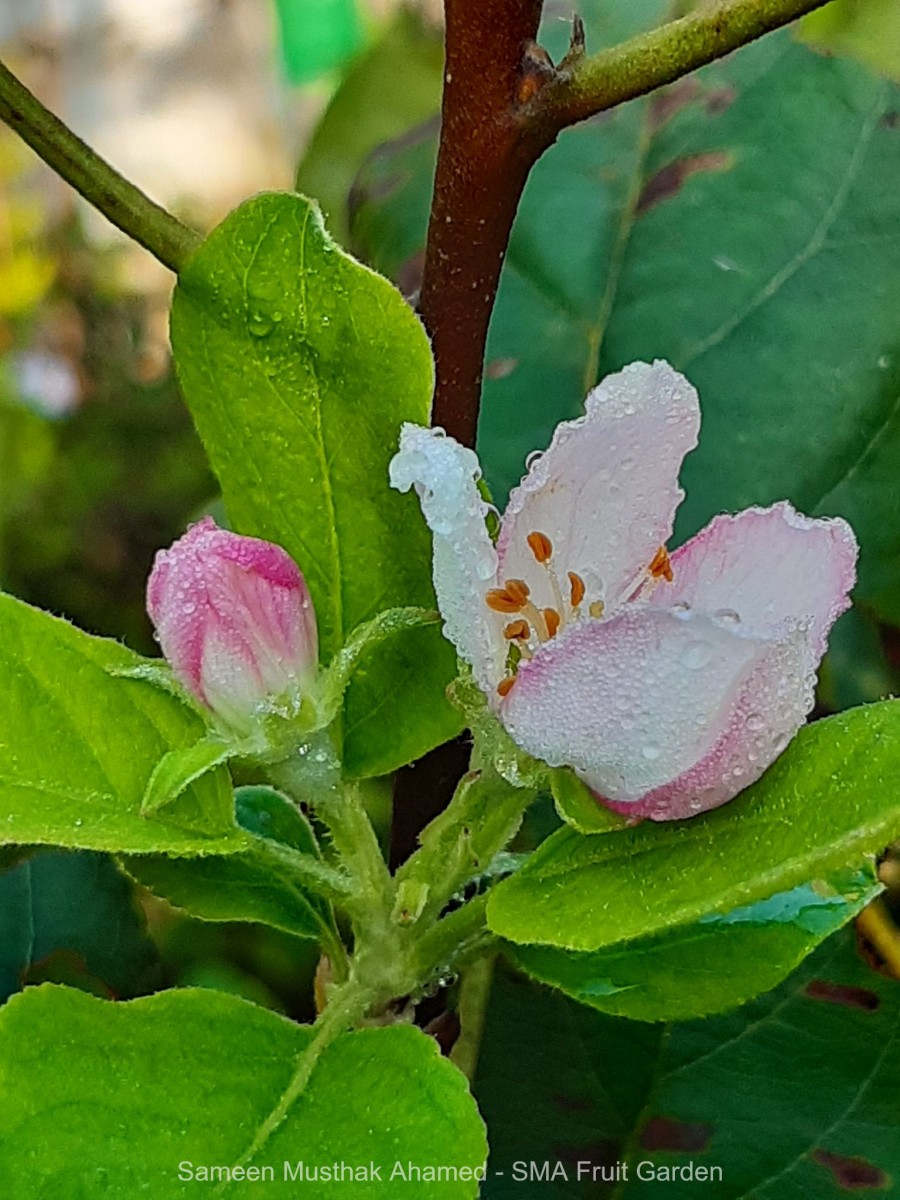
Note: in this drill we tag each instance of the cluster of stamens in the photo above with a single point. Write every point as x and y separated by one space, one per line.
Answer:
535 625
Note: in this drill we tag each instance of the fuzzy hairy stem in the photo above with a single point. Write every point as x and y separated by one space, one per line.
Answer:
121 202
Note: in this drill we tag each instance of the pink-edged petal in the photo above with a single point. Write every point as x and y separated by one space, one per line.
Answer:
606 490
770 707
635 702
445 477
768 565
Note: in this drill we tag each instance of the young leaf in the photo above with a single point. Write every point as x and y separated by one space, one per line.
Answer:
832 800
80 745
257 883
578 806
179 768
136 1098
717 963
299 366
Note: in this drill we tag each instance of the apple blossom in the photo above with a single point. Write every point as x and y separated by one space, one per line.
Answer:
235 621
668 683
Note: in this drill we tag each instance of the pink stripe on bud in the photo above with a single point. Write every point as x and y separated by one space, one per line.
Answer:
234 618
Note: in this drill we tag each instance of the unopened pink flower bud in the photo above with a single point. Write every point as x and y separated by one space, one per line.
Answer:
235 620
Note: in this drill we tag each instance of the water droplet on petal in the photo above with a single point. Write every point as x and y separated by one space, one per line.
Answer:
754 722
696 655
650 752
727 616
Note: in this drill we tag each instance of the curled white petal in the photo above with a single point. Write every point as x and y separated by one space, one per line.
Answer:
606 490
445 477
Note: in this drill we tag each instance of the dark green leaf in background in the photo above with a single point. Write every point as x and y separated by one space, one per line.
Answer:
792 1096
831 801
393 86
251 885
557 1082
80 743
299 366
108 1099
71 915
739 224
856 669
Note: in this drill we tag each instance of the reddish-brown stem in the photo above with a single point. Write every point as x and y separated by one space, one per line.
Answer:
483 161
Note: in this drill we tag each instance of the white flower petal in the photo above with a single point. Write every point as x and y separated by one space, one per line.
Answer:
635 702
606 490
444 475
768 565
771 704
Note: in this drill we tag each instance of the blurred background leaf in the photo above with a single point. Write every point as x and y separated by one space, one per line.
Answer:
316 35
791 1095
391 87
70 917
865 29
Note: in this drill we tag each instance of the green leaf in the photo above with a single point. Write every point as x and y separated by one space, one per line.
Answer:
110 1099
557 1082
831 801
72 915
299 366
336 678
404 69
856 669
781 311
868 30
578 806
179 768
11 856
789 1097
80 746
715 964
256 884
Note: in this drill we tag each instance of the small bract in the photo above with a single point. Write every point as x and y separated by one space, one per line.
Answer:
235 621
668 683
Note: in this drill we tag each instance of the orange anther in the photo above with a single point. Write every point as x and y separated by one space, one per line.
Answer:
516 630
577 585
504 687
519 590
501 601
660 566
551 616
540 545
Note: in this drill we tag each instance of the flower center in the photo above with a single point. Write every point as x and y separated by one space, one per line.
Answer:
534 625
